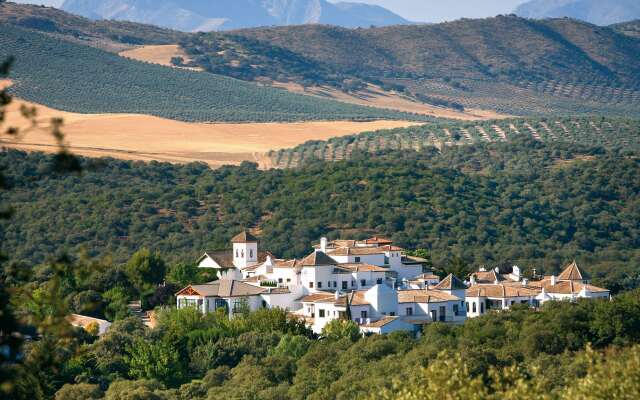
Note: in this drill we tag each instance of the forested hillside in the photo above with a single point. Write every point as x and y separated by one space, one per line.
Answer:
611 133
71 77
526 202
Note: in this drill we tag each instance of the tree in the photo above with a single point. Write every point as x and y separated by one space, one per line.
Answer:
145 269
341 329
80 391
156 360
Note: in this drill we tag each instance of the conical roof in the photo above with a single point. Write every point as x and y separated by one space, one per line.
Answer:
244 237
450 283
317 258
571 273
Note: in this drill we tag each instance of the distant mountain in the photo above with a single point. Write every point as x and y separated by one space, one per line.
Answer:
599 12
631 28
207 15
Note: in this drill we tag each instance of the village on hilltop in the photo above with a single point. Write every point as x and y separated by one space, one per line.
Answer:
371 282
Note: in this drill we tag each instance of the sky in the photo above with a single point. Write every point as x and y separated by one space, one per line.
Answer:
444 10
417 10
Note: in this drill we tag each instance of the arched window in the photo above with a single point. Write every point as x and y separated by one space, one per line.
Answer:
251 253
474 307
242 253
237 253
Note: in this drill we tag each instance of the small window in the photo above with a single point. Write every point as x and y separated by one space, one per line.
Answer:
321 313
335 284
357 259
242 253
237 253
328 284
392 314
345 285
264 304
379 281
363 282
280 280
363 314
467 305
409 311
319 285
310 285
353 283
288 279
474 307
251 253
481 308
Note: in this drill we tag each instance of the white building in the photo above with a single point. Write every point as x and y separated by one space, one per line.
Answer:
491 290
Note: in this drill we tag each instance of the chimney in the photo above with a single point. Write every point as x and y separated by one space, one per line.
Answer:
473 279
525 282
323 244
337 294
553 280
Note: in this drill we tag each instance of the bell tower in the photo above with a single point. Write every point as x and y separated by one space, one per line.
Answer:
245 249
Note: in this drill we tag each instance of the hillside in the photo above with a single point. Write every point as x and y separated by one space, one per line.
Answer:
599 12
525 202
631 28
108 35
202 15
503 63
611 133
88 80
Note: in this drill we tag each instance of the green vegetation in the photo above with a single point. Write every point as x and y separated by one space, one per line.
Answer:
535 204
88 80
610 133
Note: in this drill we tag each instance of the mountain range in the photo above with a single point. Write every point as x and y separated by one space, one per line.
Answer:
207 15
599 12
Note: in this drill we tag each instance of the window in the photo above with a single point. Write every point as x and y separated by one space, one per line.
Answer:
474 307
280 280
392 314
467 305
379 281
328 284
242 253
310 285
409 311
237 253
321 313
345 285
319 285
264 304
288 279
363 282
251 253
481 308
363 314
357 259
456 309
353 283
335 284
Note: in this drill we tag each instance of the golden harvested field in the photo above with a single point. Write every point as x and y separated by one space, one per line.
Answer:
160 54
143 137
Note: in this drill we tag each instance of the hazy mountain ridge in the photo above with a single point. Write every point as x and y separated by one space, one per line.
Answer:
600 12
202 15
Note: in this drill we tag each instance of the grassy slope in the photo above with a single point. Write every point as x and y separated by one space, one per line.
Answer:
78 78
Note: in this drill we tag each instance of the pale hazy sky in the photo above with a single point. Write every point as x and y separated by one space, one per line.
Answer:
445 10
416 10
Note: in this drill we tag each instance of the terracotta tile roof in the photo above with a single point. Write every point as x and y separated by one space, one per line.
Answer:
450 283
378 240
356 298
487 276
501 290
223 288
256 278
424 296
317 258
355 251
428 276
286 263
565 287
381 322
244 237
358 267
571 273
